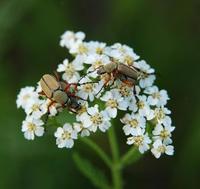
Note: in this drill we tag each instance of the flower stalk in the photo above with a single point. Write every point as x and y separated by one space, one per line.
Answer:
116 168
97 149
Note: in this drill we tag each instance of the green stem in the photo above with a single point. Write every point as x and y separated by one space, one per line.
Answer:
131 156
116 169
98 150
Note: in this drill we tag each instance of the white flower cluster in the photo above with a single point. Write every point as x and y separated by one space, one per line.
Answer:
146 121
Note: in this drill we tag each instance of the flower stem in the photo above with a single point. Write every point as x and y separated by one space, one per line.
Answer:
116 168
98 150
131 156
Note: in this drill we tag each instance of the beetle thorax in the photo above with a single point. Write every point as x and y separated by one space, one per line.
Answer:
110 67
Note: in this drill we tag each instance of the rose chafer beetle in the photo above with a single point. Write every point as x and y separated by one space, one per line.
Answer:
60 92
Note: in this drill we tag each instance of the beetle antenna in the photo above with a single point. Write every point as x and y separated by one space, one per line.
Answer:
88 73
100 90
57 75
89 82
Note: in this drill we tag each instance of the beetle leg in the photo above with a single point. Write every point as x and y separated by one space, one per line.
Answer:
128 82
89 82
105 84
42 93
89 73
52 102
134 90
80 98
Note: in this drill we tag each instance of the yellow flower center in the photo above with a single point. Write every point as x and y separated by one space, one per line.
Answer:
124 90
129 60
35 107
159 114
81 126
97 119
88 88
66 135
97 64
99 50
143 75
31 127
140 104
133 123
156 95
164 134
26 97
70 70
138 140
82 49
161 148
122 50
82 110
112 103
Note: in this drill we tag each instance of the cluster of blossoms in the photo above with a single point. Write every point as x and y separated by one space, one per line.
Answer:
146 121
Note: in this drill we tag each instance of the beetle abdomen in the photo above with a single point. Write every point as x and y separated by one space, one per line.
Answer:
129 72
60 97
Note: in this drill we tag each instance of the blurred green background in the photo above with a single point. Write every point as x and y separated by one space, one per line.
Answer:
166 33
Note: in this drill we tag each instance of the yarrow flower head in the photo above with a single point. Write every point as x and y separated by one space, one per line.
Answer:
98 84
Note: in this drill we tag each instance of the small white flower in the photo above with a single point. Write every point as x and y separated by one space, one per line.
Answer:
87 90
146 74
114 51
95 119
133 104
25 95
122 53
80 48
129 56
144 108
65 136
160 148
35 109
128 94
163 133
114 101
141 141
32 127
79 127
134 124
96 61
156 98
144 67
96 47
161 116
124 90
69 38
70 70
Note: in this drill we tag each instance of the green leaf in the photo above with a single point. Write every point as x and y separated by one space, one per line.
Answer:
65 117
95 175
